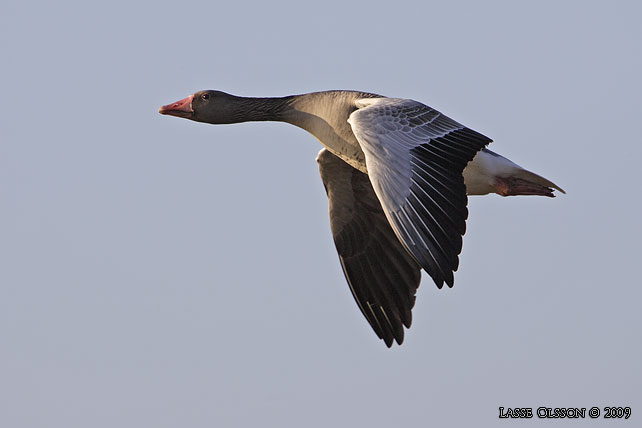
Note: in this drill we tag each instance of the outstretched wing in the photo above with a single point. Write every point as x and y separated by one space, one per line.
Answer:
415 158
382 275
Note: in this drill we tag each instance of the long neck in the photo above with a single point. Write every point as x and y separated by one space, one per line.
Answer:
260 109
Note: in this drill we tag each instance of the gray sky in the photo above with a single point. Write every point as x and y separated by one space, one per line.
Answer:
156 272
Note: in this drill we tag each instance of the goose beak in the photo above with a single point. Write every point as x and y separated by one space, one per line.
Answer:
182 108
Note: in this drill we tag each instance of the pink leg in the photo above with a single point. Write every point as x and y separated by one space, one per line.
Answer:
510 186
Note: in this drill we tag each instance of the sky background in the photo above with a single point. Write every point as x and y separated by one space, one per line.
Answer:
157 272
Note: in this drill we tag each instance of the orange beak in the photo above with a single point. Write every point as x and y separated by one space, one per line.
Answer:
182 108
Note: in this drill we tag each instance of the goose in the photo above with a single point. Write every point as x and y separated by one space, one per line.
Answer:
397 174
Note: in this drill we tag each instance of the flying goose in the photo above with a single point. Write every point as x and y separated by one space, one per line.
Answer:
397 174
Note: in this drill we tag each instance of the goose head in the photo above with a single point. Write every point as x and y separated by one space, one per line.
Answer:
209 106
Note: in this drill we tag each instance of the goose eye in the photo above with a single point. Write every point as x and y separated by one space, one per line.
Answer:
205 96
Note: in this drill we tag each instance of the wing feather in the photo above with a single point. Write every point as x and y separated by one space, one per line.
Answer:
415 157
382 275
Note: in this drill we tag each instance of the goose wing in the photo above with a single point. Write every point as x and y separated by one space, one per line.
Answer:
415 157
383 277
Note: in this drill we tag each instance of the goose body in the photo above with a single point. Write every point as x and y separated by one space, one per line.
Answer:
397 174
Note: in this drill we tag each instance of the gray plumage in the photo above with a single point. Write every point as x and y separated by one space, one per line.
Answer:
397 174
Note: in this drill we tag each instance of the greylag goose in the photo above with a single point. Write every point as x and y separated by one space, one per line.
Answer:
397 174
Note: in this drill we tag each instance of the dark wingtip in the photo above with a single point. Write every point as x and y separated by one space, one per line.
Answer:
389 342
439 284
407 319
